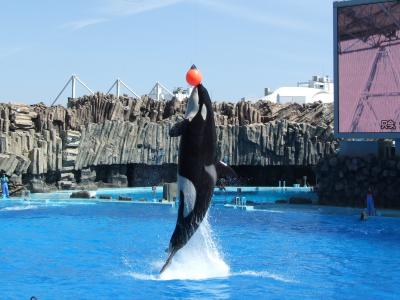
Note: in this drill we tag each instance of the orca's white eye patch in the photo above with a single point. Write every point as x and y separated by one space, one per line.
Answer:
193 105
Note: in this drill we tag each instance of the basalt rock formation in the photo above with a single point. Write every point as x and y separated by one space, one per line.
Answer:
345 180
65 146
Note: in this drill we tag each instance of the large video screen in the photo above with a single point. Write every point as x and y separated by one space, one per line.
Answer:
367 68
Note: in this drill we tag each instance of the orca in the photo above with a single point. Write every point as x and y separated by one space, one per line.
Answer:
198 168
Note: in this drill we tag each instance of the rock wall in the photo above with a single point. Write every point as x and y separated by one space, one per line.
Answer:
273 143
98 108
277 142
62 145
345 181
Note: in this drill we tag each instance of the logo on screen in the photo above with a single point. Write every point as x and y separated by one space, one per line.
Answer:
388 125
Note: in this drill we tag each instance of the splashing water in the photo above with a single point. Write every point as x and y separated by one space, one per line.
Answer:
18 208
198 259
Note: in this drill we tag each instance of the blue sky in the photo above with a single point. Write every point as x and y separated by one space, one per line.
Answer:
240 46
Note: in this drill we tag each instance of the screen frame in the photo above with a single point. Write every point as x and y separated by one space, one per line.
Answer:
351 135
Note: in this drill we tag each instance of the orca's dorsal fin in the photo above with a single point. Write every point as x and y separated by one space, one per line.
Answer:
223 170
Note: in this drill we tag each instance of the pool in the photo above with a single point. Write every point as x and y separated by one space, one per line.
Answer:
263 194
254 194
97 250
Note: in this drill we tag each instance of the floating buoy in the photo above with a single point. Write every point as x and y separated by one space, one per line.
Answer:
193 76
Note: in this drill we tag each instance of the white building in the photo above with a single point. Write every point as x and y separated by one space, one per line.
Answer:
316 89
318 82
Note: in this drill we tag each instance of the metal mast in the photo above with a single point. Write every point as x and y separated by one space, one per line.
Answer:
160 92
73 80
117 84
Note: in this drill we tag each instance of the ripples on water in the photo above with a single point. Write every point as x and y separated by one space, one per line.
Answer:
92 250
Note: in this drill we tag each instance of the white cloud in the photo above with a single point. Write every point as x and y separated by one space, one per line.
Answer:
264 17
132 7
118 8
79 24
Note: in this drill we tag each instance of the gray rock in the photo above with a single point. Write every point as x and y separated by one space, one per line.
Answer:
350 187
281 201
124 198
299 200
102 130
81 194
38 186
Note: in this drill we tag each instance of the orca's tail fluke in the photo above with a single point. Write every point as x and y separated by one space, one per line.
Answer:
168 262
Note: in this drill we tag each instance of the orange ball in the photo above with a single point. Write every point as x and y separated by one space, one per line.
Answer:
193 76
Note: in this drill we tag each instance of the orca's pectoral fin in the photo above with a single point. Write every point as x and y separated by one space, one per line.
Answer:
179 128
224 171
168 262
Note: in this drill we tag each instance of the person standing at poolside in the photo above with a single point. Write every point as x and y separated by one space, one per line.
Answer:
4 186
370 203
222 185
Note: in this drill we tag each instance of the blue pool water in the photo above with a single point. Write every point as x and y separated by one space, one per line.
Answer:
255 194
263 194
97 250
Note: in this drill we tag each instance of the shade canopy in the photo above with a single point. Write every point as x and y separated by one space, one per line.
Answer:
367 20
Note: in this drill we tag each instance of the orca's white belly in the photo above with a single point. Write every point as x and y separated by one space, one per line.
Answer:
189 193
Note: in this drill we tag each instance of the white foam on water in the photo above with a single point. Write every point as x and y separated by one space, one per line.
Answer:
17 208
198 259
273 211
30 205
141 276
264 274
66 203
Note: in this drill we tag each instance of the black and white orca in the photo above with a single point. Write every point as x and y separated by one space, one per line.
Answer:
198 168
